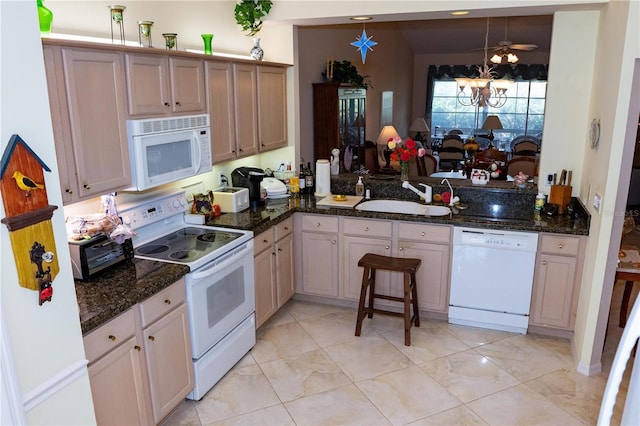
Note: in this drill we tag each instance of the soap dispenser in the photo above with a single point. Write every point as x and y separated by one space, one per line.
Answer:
360 187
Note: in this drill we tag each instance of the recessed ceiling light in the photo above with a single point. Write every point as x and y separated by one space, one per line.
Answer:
361 18
459 13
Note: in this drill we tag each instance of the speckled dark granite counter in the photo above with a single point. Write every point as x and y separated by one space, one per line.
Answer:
118 288
513 207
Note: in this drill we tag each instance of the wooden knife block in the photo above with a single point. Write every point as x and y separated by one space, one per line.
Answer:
561 196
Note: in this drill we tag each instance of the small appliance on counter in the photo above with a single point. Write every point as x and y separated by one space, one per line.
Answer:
91 256
232 199
275 188
250 177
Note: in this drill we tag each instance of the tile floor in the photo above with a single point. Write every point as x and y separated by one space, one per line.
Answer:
308 368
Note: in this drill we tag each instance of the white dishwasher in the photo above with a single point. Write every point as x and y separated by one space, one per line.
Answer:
492 278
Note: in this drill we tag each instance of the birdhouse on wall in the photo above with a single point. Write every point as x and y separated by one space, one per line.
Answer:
24 196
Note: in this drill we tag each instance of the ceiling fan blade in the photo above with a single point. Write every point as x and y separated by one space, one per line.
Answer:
524 46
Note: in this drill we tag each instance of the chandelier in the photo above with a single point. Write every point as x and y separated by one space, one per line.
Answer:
483 90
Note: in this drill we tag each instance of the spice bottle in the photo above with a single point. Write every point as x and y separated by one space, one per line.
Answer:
540 200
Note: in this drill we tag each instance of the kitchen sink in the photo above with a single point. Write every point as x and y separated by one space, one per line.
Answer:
401 206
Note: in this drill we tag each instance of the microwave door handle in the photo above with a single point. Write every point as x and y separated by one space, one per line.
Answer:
196 149
227 260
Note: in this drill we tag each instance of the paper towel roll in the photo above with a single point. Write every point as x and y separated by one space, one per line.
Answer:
323 178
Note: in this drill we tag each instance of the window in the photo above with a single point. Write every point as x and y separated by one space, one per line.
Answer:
523 113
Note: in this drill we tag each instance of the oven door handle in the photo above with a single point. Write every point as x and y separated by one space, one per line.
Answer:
222 262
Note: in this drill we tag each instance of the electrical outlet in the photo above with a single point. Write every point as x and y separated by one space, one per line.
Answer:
221 178
549 180
597 201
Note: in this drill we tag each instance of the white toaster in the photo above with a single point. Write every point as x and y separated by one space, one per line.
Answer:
231 199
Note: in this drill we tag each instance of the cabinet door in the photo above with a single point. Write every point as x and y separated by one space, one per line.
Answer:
319 263
168 352
187 85
265 284
551 300
272 94
117 386
432 276
354 249
246 101
221 110
95 94
60 122
284 268
148 85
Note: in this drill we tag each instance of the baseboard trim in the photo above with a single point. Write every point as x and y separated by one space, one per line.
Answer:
54 384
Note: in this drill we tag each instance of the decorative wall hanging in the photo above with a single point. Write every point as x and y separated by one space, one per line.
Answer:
24 195
364 43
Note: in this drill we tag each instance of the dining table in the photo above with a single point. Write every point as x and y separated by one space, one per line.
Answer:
628 270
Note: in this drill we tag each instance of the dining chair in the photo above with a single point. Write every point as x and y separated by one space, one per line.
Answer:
525 147
526 165
427 165
451 151
491 154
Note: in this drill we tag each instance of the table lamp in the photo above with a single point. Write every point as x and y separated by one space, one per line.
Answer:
387 133
492 123
418 126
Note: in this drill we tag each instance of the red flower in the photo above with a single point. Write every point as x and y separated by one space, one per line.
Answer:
405 156
410 143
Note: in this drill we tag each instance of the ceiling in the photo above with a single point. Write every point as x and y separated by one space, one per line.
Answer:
464 35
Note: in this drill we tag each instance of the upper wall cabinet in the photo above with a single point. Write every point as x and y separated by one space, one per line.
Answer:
160 85
272 98
88 115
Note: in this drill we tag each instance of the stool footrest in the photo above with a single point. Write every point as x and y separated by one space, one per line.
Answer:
387 297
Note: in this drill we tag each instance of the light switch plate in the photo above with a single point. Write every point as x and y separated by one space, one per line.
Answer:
597 201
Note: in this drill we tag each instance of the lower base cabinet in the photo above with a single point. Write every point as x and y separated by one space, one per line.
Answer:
140 364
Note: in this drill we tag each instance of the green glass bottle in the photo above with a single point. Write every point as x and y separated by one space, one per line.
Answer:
45 16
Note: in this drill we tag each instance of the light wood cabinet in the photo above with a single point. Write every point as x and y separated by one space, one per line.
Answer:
86 88
140 365
556 283
274 269
246 109
161 85
317 252
272 107
220 104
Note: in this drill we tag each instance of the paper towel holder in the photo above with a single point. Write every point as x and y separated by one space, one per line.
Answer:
323 178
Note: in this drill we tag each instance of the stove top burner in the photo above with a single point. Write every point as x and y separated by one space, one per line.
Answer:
187 245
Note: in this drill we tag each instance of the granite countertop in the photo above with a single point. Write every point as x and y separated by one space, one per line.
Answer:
120 287
116 289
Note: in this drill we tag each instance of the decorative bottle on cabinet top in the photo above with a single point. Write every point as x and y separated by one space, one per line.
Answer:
45 16
256 52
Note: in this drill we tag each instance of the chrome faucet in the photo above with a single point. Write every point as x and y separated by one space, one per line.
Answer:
428 191
451 200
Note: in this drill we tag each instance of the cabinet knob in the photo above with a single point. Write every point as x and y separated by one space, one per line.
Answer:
87 187
167 104
279 249
423 233
241 150
559 246
137 348
152 338
401 248
68 191
286 228
167 301
544 262
387 248
263 145
265 241
318 225
233 151
112 337
178 103
333 241
366 229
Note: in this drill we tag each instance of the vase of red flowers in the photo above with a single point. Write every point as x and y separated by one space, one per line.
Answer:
403 152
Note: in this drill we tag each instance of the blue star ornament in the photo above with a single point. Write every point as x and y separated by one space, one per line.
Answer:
363 43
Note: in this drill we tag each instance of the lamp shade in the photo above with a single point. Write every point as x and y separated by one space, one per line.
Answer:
492 123
387 133
419 125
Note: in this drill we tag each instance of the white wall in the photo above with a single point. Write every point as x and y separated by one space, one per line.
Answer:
46 340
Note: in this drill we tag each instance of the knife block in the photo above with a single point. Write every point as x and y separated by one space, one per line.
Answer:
561 196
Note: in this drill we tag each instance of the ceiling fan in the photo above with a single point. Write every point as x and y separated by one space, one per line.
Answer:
503 52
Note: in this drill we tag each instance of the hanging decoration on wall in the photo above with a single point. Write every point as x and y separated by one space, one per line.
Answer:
364 43
24 195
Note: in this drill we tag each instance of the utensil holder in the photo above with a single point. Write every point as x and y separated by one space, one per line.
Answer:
561 196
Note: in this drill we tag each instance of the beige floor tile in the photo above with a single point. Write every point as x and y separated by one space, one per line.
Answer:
427 343
468 375
475 336
559 346
276 415
281 341
304 375
334 328
184 415
456 416
407 395
577 394
520 405
343 406
301 310
367 357
241 391
521 357
385 323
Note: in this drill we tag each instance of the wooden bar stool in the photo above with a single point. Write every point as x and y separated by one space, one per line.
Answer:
370 262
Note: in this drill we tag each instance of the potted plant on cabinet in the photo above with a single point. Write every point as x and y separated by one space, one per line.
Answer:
249 14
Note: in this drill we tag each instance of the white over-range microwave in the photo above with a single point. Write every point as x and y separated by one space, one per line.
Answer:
164 150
